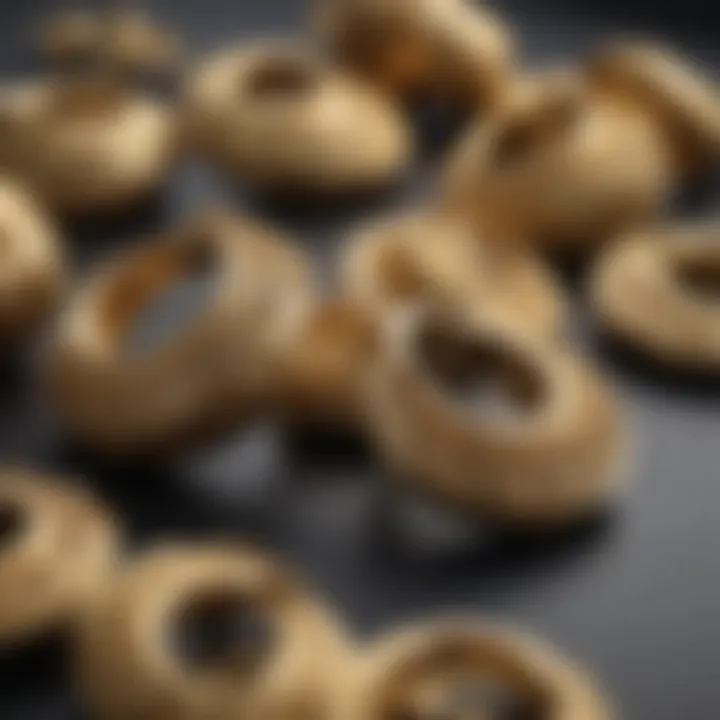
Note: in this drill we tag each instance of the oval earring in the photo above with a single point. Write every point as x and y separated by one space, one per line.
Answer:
443 262
215 374
493 423
657 291
467 667
449 52
86 145
629 128
58 549
285 121
213 631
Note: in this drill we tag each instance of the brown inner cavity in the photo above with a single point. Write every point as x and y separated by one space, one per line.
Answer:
479 373
461 684
530 129
12 524
700 277
223 631
281 79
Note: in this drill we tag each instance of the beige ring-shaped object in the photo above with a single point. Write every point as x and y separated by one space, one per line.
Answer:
133 42
657 291
445 263
448 51
280 668
322 365
58 548
32 271
213 374
69 36
86 146
126 40
672 89
466 668
564 165
284 120
552 456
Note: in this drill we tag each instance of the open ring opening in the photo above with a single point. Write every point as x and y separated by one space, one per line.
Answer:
480 374
221 630
455 682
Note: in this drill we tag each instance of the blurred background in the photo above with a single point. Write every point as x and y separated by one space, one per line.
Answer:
635 596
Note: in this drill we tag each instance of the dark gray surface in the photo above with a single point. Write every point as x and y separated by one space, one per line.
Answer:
634 598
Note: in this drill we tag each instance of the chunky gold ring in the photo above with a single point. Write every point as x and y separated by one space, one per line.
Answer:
57 550
32 275
283 119
448 51
565 165
549 453
670 88
69 37
428 258
215 373
133 42
468 668
215 631
127 40
657 291
86 145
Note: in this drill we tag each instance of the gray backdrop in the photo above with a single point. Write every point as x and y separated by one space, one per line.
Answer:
634 596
